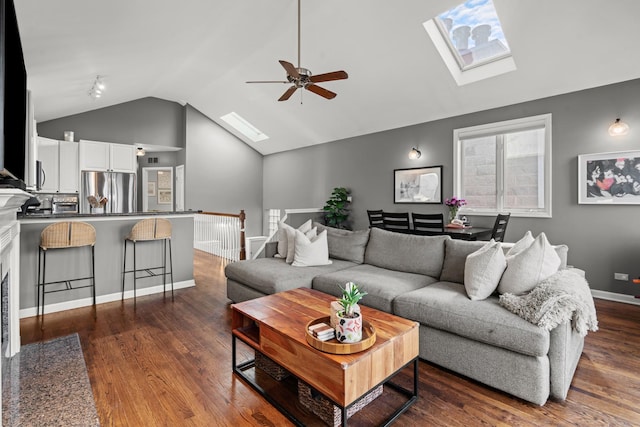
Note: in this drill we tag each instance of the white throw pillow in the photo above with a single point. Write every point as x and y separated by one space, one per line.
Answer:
529 267
286 233
310 252
291 238
521 244
483 270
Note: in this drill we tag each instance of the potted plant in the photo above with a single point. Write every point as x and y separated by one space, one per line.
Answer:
349 325
337 208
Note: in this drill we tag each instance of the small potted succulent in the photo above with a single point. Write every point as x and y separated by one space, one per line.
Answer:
349 324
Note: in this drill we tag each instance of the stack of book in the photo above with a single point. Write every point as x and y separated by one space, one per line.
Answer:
322 331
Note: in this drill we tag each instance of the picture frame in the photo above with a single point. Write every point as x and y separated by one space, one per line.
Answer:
418 185
165 197
164 179
151 188
609 178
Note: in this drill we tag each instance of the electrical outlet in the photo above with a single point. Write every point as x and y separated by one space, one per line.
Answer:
621 276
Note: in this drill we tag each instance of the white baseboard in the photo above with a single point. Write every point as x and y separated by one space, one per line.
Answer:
101 299
611 296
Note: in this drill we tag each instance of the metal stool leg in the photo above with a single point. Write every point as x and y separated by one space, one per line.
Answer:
164 266
93 274
171 267
135 269
38 282
124 267
44 271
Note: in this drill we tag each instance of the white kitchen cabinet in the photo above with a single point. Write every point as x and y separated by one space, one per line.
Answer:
94 156
49 157
106 156
123 158
69 181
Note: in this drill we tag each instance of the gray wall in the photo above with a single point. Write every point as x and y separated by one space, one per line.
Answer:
600 239
143 121
222 174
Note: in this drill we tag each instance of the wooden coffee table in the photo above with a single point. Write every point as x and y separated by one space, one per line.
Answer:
275 325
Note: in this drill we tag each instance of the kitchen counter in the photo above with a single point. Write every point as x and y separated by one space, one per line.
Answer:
109 251
105 216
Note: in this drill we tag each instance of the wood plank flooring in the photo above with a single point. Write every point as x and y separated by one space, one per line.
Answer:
160 362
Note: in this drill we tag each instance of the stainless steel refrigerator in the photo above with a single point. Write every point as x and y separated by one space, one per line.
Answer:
118 187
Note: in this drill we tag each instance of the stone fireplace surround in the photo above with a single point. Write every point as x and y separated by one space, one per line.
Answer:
10 201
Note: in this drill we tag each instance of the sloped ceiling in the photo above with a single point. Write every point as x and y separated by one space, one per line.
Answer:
201 52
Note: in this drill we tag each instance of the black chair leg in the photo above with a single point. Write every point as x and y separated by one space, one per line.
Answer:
135 268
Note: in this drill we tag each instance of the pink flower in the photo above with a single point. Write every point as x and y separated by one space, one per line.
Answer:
454 202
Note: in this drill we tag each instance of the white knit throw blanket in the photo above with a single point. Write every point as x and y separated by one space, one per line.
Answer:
562 297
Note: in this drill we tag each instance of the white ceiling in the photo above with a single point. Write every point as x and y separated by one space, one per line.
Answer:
202 51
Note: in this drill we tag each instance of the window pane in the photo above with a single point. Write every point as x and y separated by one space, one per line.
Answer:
473 31
524 170
479 172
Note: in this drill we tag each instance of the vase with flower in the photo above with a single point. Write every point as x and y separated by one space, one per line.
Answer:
454 205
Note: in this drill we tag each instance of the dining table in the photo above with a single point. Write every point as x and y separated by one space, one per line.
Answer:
467 233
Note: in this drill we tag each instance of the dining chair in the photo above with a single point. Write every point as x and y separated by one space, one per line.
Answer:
427 221
375 219
396 221
500 227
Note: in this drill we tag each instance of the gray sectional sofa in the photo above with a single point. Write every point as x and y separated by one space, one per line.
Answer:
421 278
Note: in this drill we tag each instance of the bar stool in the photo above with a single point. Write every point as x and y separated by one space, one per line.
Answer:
65 235
149 230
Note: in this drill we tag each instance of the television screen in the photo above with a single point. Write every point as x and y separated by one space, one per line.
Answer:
14 94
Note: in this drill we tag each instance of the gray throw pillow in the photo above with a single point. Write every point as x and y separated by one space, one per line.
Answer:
345 244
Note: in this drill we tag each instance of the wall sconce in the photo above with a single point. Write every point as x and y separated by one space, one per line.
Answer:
97 88
140 152
618 128
414 153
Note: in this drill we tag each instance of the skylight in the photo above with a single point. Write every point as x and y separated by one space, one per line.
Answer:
244 127
469 37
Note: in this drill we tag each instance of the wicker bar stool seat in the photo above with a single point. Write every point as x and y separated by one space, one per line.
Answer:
65 235
149 230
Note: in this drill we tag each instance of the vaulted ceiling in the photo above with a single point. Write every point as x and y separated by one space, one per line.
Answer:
201 52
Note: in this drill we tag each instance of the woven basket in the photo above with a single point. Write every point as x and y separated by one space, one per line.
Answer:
327 411
267 365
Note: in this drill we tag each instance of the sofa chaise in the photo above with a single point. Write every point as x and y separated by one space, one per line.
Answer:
422 278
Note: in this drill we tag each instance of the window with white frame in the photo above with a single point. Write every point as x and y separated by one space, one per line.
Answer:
504 167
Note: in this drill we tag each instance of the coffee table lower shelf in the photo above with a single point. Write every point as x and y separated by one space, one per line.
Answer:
240 369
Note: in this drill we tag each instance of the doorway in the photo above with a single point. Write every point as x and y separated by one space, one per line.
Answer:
157 188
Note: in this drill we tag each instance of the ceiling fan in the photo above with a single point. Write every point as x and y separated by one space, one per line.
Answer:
302 78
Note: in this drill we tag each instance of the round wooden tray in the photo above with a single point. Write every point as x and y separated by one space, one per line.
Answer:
335 347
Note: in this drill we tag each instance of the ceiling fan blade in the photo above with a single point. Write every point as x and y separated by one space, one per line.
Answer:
290 69
321 91
288 93
326 77
267 81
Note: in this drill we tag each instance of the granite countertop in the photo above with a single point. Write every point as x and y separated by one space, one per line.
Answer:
22 216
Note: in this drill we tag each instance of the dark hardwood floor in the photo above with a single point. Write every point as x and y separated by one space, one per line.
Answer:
168 363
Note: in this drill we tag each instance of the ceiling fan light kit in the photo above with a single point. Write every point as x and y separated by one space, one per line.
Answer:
302 78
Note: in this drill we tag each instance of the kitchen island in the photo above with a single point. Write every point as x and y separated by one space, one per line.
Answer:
109 249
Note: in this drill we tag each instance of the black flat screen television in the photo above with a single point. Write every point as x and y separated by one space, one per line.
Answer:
13 90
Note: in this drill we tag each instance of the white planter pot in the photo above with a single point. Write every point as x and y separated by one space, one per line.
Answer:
349 330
